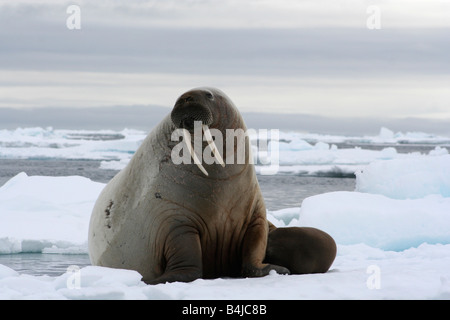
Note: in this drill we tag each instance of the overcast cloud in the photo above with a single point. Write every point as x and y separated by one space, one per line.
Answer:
310 57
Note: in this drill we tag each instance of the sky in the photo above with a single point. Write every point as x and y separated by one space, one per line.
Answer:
346 64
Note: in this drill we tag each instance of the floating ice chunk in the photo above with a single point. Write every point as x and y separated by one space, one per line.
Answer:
386 134
100 283
7 272
378 221
114 164
284 217
295 145
322 146
46 212
388 153
407 178
438 151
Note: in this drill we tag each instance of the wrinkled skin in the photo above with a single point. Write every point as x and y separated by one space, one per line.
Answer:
172 222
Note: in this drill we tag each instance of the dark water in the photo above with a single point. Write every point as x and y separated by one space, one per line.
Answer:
55 168
283 191
43 264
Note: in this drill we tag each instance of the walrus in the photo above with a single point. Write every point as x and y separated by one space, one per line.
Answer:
183 221
302 250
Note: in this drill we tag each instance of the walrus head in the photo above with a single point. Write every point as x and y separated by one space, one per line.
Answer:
192 106
209 106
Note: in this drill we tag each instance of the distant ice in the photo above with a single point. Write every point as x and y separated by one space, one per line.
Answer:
300 153
385 136
48 143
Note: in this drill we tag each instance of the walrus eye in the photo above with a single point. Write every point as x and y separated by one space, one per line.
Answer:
209 95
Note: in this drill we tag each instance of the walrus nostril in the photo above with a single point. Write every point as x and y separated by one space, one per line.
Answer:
184 115
187 123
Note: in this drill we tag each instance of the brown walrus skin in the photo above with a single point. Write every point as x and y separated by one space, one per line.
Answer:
174 223
300 249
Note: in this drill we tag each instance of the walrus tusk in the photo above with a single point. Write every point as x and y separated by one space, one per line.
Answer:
187 139
212 145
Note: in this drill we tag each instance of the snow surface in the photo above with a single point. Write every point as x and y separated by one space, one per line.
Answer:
393 236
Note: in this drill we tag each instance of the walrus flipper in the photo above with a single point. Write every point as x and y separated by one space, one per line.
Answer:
254 248
183 258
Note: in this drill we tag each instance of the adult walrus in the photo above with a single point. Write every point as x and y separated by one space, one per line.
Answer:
179 222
